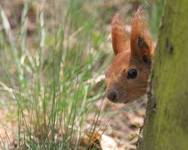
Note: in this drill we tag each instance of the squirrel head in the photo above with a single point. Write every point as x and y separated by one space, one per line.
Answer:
127 77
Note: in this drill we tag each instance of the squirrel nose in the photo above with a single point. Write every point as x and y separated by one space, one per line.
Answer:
112 95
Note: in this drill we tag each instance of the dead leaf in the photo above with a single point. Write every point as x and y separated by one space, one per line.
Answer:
108 143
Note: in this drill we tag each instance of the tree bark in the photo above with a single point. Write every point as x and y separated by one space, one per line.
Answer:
166 123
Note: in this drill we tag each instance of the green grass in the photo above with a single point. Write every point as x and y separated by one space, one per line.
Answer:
46 79
50 85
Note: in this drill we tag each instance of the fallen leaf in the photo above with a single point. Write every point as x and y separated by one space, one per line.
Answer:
108 143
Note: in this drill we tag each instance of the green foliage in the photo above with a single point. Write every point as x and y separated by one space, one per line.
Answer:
156 14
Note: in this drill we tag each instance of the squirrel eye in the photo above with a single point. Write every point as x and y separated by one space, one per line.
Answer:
132 73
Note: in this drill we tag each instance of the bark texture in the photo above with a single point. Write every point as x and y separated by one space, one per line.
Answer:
166 123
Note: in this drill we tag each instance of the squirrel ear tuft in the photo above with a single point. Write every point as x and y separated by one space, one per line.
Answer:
119 36
141 41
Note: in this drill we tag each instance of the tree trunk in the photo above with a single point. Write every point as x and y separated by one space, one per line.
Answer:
166 123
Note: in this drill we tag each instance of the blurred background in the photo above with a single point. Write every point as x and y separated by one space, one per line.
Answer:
54 54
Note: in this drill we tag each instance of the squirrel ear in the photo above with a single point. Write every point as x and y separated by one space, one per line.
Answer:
141 42
119 36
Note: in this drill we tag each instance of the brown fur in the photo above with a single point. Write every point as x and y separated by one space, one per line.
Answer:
134 53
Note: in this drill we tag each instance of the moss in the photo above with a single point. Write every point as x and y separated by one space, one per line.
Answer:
166 128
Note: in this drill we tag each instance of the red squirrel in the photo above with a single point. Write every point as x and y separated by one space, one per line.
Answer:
127 77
